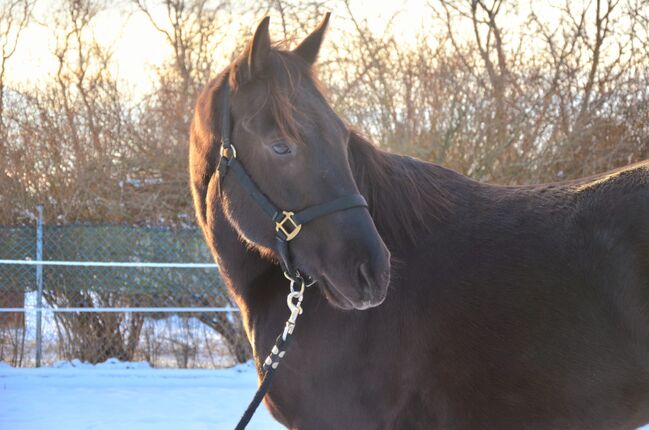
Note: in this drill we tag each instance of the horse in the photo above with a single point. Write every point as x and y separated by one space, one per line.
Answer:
445 303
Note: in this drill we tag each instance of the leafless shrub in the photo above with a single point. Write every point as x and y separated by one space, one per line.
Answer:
12 344
513 105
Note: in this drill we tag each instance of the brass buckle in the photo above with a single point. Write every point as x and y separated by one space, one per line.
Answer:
293 227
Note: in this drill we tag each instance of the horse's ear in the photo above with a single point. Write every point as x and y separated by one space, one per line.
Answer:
310 46
258 50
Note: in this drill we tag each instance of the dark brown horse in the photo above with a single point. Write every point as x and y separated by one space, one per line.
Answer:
506 307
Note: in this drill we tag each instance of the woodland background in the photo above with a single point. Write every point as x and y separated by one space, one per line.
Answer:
512 101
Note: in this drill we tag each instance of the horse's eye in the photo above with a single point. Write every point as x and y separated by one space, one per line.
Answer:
281 148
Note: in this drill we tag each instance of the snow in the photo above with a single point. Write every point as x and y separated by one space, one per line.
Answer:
129 396
111 363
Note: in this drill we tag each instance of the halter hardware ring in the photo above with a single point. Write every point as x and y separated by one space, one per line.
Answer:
228 152
294 227
299 279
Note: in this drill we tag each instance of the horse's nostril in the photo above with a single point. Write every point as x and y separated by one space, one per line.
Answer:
365 277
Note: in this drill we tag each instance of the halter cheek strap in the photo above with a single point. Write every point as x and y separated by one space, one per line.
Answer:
288 224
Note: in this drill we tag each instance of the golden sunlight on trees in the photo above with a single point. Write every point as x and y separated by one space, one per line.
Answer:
545 100
501 90
66 139
14 16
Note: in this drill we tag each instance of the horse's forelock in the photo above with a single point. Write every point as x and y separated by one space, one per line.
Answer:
283 84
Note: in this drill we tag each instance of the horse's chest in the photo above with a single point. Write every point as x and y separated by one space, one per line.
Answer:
345 382
331 402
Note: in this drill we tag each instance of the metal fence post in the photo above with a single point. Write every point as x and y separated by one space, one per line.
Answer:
39 285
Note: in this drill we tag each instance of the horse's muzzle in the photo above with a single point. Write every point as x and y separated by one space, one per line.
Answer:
373 279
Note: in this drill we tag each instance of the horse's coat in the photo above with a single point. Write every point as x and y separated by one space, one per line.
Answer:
507 307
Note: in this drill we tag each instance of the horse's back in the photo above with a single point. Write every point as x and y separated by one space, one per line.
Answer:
543 294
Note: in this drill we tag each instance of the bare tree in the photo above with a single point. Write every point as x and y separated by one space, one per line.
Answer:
509 103
14 17
193 29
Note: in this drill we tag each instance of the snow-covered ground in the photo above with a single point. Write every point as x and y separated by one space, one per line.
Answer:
127 396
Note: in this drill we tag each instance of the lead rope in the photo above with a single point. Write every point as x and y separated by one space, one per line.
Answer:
294 302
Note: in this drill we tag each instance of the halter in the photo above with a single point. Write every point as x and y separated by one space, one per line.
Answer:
288 224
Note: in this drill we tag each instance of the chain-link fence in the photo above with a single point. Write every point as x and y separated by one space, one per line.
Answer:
94 292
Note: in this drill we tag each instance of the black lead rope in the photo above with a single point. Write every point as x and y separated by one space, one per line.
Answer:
278 351
256 400
288 225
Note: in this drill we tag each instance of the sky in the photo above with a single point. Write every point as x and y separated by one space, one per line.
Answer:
138 47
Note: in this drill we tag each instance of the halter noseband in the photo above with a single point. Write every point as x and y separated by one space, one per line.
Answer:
288 224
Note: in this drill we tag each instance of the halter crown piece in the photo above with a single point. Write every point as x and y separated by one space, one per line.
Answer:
288 225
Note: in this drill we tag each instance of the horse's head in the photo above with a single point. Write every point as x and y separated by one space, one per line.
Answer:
294 147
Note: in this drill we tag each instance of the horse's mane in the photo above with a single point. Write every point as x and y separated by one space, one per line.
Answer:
404 194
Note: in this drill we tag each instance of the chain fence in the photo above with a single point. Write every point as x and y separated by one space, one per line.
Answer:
93 292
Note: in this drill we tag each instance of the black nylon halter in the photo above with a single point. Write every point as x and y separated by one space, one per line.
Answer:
287 223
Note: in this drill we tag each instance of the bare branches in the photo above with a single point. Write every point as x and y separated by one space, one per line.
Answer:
191 28
601 28
505 102
14 17
496 89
